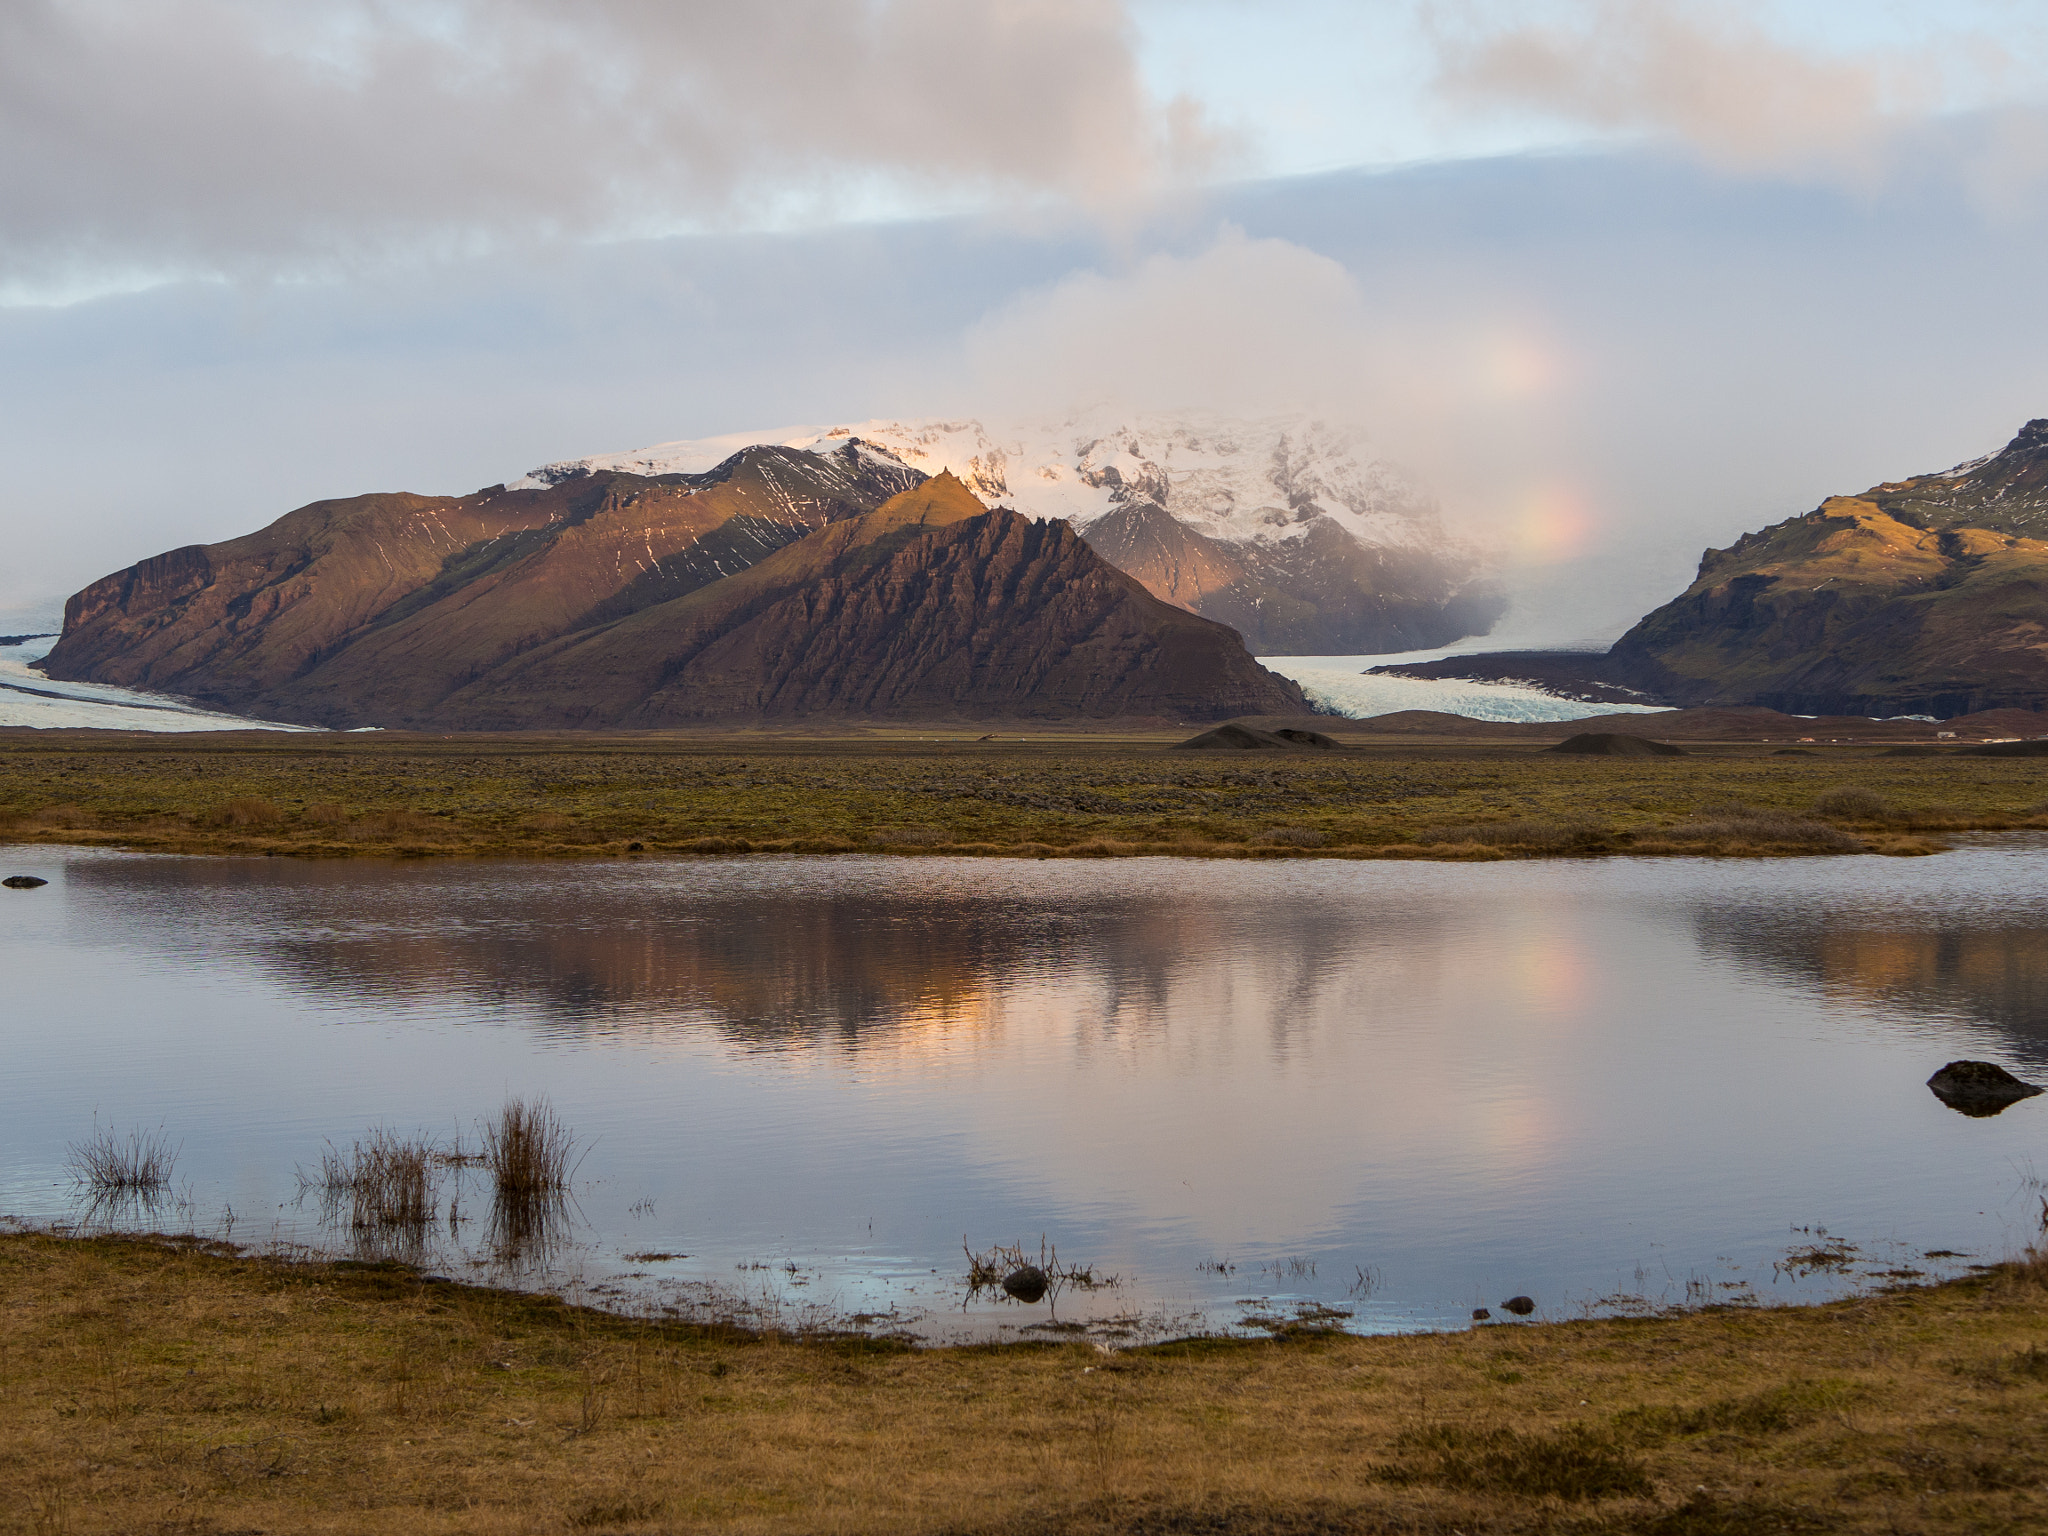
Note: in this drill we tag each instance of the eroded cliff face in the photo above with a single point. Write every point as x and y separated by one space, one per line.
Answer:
781 584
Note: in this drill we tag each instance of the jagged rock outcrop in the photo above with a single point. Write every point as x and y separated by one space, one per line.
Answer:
1926 596
781 584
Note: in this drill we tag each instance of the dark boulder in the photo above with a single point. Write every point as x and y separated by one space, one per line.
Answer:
1979 1088
1026 1283
1481 1315
1613 744
23 882
1521 1306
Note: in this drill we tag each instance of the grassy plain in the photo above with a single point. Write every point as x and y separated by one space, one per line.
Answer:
157 1386
1080 795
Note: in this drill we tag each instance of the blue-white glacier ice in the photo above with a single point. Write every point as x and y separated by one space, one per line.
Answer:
1338 684
29 698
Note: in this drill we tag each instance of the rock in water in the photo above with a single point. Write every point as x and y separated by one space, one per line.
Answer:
1521 1306
1027 1283
1612 744
23 882
1481 1315
1979 1088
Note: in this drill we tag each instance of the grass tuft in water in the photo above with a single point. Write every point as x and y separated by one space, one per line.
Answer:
108 1163
387 1180
527 1148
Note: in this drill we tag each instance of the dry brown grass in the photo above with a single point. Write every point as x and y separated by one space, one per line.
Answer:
910 837
1527 833
1290 837
160 1386
585 797
1757 827
246 811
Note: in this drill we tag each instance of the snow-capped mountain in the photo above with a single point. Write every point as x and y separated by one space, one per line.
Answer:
1285 528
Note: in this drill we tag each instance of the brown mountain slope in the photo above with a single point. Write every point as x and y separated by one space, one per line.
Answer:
932 606
402 599
1923 596
1850 611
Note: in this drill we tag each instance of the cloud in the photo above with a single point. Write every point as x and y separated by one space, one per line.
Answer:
1243 327
157 137
1453 375
1721 80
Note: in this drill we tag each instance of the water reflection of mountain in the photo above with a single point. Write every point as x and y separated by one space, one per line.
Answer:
1992 971
767 967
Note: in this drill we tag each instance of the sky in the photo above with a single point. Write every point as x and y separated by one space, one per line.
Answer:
1621 279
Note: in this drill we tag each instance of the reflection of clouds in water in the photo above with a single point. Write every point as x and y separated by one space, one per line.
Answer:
1169 1055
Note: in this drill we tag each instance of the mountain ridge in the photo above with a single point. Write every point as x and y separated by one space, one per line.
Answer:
540 607
1331 551
1927 595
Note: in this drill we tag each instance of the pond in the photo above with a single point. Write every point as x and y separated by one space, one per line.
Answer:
1379 1095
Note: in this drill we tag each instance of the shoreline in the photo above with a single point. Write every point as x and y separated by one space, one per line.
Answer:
159 1380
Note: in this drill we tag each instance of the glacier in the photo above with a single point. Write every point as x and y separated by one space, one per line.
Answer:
1338 684
27 698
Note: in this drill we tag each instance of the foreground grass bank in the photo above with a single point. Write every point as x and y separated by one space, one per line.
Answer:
167 1387
579 796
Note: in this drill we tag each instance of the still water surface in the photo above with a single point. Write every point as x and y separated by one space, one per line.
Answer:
1399 1090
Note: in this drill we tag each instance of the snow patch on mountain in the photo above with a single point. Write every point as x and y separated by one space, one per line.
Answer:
1243 482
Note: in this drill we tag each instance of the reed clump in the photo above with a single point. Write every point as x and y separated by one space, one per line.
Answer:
324 813
388 1180
109 1163
527 1150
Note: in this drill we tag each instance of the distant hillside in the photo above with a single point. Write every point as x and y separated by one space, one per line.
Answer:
780 583
1921 596
1284 528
